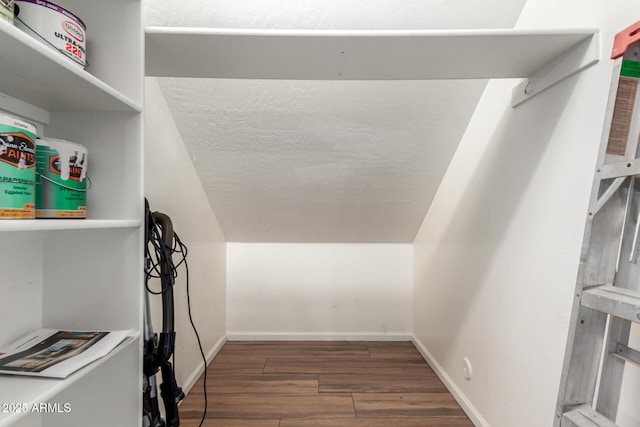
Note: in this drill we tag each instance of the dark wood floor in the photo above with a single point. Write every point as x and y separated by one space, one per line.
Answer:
322 384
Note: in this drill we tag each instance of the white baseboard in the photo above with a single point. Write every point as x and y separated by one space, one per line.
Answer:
316 336
472 412
195 375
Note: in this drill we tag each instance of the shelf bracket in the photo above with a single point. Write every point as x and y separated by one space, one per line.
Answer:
578 58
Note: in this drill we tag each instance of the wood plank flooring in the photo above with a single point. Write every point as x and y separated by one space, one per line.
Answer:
321 384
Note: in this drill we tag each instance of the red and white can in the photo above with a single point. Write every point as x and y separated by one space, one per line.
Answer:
54 26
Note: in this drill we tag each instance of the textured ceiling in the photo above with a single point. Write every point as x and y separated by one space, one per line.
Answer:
323 161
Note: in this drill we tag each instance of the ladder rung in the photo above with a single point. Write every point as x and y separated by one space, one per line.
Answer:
619 302
585 416
621 169
628 354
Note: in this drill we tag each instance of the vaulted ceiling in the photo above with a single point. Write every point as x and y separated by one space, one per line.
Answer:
323 161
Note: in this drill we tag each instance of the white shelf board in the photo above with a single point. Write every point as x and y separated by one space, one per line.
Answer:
30 390
38 75
66 224
354 55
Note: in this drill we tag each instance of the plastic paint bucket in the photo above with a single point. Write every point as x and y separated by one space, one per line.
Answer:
6 10
62 179
55 26
17 168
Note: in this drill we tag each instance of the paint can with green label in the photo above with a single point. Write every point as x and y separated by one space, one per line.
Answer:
61 189
17 168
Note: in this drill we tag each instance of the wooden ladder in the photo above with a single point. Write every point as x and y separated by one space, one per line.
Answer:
607 296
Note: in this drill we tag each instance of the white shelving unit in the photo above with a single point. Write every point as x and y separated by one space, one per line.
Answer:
80 274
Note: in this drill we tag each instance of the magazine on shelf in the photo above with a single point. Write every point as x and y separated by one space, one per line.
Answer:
56 353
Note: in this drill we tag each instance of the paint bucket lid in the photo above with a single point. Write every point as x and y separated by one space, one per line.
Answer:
53 7
55 26
52 142
8 120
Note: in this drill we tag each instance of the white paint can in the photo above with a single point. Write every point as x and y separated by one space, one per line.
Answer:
62 179
55 26
6 10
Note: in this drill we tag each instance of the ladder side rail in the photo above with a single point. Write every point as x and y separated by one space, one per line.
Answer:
603 249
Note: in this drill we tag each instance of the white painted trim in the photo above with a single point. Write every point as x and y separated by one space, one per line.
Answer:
468 407
195 375
316 336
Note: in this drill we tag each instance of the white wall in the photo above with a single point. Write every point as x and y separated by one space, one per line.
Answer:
496 259
21 286
319 291
323 14
172 187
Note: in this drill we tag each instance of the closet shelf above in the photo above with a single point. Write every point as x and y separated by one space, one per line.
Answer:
355 55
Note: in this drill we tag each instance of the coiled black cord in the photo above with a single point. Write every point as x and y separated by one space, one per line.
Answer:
157 253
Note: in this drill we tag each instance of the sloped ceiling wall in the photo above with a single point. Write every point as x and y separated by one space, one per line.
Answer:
323 161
